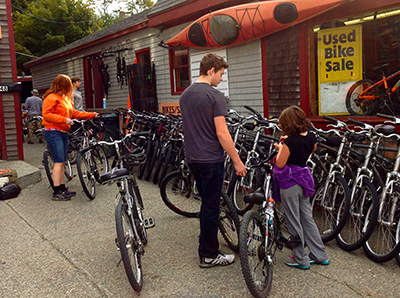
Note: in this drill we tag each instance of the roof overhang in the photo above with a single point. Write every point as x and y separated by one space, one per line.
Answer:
140 26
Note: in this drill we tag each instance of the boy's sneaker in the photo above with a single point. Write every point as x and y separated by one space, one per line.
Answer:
327 262
61 196
292 263
220 260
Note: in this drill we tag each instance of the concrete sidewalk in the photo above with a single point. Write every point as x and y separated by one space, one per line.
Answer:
67 249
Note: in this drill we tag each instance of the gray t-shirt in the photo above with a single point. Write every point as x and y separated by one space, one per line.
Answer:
34 105
78 102
200 104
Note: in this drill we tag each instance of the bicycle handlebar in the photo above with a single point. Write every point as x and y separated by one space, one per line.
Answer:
254 112
394 119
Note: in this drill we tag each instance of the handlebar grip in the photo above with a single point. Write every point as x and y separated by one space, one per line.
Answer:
253 111
350 120
390 117
334 120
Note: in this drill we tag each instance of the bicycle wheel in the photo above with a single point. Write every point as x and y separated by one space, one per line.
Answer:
142 167
108 136
229 224
358 106
362 216
100 161
160 162
85 166
137 213
384 243
128 245
48 164
150 165
330 213
68 170
244 186
257 267
179 194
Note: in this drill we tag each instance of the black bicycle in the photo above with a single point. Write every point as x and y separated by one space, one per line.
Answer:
178 191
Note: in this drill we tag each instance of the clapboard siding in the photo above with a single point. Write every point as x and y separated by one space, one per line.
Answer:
6 76
283 70
245 77
72 65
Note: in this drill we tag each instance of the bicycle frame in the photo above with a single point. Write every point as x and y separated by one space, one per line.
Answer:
364 94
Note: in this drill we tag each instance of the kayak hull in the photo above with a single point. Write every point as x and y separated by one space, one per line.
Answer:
247 22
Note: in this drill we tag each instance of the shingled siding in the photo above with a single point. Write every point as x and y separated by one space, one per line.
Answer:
283 70
7 99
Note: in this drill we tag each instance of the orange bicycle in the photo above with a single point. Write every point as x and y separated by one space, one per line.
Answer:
365 97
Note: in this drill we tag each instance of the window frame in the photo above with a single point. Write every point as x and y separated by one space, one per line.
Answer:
175 90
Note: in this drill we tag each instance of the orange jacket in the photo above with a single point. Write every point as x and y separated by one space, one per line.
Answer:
56 109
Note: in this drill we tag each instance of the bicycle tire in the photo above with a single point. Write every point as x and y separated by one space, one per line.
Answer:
364 108
129 247
100 160
137 213
167 164
88 182
229 224
142 167
244 186
384 243
331 216
177 192
48 164
257 271
150 166
159 161
362 217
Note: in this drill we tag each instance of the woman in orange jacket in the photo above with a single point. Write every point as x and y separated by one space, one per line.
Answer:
57 111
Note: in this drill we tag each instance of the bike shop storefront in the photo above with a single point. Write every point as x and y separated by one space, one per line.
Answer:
361 46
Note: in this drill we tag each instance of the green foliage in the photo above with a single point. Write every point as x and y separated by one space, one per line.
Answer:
43 26
136 6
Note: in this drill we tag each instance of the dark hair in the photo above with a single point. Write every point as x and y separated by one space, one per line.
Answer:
61 83
212 60
75 79
294 121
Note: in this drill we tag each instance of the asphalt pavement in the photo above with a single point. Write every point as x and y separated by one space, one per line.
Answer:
67 249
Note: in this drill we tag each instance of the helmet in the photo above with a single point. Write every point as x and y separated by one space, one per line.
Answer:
134 158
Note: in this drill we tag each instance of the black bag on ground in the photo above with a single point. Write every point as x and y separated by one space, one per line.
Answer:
9 191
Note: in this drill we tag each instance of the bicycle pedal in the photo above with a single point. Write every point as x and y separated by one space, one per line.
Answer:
148 222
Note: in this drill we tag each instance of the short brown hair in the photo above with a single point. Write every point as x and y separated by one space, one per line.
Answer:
294 121
75 79
212 60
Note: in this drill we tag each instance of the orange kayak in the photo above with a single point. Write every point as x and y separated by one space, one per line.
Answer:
247 22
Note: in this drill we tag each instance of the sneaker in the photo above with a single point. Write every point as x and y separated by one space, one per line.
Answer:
30 142
61 196
292 263
40 142
220 260
327 262
70 193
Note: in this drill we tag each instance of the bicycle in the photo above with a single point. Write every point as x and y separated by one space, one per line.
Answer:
178 191
261 234
384 243
130 223
366 97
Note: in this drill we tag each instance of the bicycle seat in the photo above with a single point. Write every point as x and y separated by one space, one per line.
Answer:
257 197
114 174
385 129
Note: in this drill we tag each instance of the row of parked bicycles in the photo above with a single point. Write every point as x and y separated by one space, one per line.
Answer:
355 168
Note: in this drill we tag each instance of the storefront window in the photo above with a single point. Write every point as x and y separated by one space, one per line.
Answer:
179 69
362 48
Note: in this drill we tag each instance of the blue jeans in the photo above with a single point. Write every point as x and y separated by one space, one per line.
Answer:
58 144
209 178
